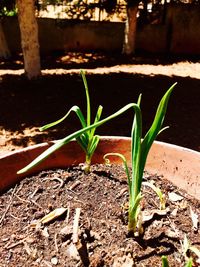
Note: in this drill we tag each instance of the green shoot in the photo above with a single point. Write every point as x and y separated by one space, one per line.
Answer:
166 264
139 152
189 263
88 140
164 261
159 194
72 136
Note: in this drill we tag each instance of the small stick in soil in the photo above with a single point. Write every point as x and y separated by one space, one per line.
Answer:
55 178
36 204
75 226
7 246
9 204
80 243
74 185
22 200
55 241
67 217
31 196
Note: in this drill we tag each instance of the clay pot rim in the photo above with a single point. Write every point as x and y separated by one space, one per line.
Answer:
179 165
104 137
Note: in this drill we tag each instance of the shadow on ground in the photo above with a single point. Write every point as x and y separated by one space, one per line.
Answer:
74 60
26 105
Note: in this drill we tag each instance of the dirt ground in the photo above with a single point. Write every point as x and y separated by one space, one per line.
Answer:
113 82
101 237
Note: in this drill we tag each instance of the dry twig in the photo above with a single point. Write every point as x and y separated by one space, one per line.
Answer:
75 226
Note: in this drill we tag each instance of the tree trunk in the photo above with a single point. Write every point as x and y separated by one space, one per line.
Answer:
29 37
4 50
130 30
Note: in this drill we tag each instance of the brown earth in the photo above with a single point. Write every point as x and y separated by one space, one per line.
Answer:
101 237
113 82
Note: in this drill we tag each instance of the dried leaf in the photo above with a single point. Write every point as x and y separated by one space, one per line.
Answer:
174 197
53 215
148 215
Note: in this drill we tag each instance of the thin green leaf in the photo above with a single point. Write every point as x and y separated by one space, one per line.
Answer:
133 205
67 139
133 144
155 127
163 129
97 118
136 137
189 263
164 261
134 210
93 145
125 166
87 97
78 112
158 192
82 142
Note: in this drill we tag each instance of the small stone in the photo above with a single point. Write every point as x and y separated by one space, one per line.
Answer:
54 261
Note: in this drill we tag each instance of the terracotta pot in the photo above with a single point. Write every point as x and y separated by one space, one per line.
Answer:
179 165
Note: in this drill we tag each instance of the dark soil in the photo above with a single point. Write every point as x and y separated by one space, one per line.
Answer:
113 82
102 233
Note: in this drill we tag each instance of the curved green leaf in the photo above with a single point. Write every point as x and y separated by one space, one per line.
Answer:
155 127
87 97
78 112
67 139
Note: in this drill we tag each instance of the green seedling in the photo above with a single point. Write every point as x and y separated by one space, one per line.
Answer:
159 194
139 152
60 143
165 262
88 140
